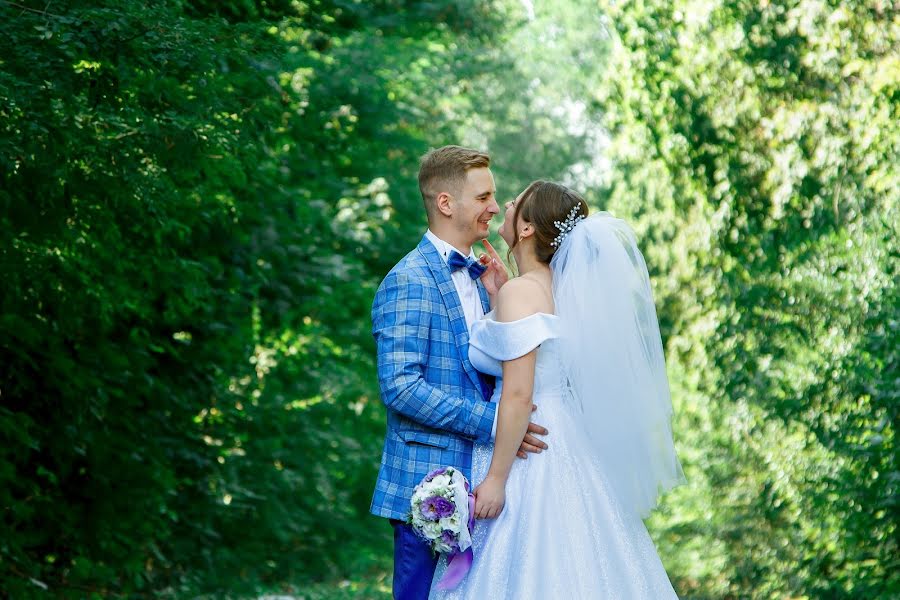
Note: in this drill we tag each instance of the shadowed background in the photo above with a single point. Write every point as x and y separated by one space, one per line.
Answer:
199 198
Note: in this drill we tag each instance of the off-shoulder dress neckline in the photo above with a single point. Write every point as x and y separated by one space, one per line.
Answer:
491 316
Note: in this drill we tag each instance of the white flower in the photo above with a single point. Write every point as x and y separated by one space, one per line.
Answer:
432 530
452 522
442 480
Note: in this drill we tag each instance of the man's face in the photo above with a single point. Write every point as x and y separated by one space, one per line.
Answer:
475 205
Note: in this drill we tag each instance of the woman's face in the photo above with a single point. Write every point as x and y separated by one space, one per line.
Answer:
507 228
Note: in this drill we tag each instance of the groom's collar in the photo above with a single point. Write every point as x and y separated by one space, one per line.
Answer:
444 248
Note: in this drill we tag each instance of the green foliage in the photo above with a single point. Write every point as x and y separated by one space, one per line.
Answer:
194 202
755 145
197 200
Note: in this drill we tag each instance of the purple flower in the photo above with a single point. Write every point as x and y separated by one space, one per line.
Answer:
449 538
435 473
435 508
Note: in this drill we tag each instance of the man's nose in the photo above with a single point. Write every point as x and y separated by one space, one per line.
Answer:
494 208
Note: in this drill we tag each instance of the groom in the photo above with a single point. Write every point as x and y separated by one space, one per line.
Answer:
437 403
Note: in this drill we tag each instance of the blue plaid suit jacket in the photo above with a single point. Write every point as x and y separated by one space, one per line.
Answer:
435 407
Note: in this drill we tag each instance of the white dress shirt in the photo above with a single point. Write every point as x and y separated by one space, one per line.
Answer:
466 288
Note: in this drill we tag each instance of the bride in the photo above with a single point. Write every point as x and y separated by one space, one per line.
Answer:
576 335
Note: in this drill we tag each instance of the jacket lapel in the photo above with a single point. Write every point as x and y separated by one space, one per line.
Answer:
485 299
441 273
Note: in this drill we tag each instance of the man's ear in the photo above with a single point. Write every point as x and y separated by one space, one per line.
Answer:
444 203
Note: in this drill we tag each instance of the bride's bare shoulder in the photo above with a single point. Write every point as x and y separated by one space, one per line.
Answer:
519 298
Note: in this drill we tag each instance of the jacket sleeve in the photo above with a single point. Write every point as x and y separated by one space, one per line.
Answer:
401 324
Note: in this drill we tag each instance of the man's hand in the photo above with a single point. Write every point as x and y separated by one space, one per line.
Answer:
495 277
531 443
490 498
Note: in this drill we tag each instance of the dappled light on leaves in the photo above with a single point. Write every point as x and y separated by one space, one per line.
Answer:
198 200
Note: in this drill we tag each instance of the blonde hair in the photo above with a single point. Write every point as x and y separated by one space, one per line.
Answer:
444 170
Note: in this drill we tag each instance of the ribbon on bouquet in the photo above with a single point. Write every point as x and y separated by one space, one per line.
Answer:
459 563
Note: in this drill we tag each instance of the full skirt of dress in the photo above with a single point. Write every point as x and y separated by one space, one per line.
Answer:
561 533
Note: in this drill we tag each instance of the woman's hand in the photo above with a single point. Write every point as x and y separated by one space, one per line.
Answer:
490 497
496 276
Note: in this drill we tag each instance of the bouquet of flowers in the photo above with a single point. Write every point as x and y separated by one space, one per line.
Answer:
443 513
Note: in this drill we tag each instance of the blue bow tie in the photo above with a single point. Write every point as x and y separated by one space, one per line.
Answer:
457 261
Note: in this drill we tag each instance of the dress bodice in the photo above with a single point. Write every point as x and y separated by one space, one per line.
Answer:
491 342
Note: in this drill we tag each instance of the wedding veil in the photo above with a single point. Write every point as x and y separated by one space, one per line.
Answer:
613 356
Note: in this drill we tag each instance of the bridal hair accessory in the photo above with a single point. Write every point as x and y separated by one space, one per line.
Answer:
443 514
565 227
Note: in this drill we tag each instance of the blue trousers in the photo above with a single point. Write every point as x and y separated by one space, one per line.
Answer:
414 564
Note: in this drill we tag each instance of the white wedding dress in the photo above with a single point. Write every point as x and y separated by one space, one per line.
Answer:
562 533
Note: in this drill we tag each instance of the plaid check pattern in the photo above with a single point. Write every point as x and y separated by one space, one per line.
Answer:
435 407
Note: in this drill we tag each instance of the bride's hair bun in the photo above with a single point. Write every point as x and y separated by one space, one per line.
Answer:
544 204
